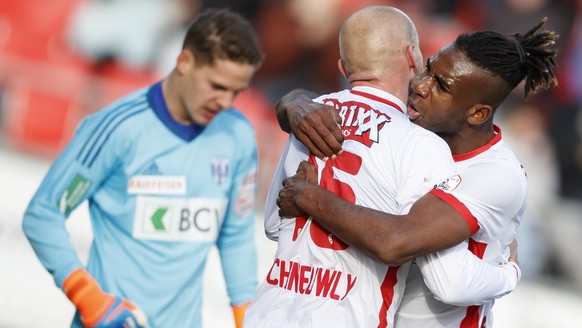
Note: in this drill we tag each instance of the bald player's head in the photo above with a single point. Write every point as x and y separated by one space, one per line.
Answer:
378 39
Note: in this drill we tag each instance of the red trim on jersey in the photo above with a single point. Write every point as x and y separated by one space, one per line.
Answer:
477 248
387 290
482 149
460 207
376 98
471 319
301 221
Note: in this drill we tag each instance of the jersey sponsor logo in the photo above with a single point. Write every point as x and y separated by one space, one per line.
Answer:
310 280
244 203
450 184
219 169
250 179
74 194
157 185
360 122
178 219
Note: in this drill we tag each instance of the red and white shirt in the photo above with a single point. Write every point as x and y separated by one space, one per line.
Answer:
316 280
490 192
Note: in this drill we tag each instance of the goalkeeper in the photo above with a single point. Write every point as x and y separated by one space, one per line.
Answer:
168 171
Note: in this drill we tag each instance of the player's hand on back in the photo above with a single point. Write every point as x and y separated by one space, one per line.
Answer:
315 125
295 187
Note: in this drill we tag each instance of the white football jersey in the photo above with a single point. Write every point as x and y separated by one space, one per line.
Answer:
317 280
490 191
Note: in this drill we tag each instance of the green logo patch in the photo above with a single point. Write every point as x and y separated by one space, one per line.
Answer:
74 194
157 219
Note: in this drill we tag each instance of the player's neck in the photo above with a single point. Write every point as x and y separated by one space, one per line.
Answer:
467 140
173 102
394 89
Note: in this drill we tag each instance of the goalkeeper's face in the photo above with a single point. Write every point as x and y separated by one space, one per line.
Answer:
208 89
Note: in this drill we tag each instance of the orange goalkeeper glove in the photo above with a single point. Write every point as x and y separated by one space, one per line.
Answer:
239 313
99 309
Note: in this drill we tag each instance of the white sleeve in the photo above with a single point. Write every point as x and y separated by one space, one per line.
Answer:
293 153
458 277
423 161
494 196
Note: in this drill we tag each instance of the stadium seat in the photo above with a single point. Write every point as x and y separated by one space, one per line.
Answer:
43 104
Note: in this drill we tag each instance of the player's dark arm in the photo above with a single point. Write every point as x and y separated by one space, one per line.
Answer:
315 125
431 224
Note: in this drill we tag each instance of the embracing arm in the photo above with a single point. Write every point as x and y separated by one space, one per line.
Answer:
291 103
431 224
457 276
314 124
430 232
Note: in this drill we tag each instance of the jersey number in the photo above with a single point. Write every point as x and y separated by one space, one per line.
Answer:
349 163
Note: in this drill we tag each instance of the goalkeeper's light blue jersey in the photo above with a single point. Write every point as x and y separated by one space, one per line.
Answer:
160 196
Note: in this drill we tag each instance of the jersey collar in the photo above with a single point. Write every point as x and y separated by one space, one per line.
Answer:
186 132
379 96
482 149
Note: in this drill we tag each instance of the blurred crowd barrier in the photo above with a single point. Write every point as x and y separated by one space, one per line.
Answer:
63 59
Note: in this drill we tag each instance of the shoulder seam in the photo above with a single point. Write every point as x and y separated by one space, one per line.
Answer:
108 125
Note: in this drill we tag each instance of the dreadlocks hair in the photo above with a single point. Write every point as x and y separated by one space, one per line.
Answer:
529 56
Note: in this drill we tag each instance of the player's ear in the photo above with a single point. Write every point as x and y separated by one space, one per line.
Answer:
414 58
479 114
185 61
342 68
